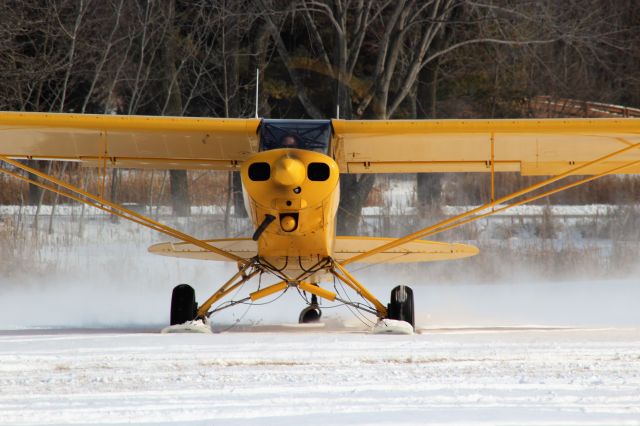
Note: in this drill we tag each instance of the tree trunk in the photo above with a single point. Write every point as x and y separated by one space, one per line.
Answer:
429 185
34 190
180 193
232 96
354 191
115 184
178 179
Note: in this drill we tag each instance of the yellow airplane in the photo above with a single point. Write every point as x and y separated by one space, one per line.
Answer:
290 175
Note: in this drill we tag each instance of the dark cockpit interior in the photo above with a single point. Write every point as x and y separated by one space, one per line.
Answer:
312 135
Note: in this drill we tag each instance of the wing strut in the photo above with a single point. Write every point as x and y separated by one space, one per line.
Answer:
92 200
474 214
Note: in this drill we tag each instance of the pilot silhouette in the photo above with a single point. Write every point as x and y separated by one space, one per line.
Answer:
288 141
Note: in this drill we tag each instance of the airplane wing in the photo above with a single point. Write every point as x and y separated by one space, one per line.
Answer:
528 146
242 247
345 247
129 141
414 251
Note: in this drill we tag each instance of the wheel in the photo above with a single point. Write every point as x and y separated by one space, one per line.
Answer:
184 307
311 313
401 306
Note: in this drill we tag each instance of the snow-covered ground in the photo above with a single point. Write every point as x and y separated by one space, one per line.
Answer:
445 376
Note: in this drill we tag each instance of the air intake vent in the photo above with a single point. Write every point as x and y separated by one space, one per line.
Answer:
259 171
318 171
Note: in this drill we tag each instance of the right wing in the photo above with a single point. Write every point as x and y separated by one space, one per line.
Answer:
129 141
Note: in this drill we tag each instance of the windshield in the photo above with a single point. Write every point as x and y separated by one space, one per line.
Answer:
312 135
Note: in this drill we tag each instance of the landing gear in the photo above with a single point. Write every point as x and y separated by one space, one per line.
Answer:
311 313
184 310
184 307
401 306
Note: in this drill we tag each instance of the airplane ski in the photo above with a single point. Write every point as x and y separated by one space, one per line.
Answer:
389 326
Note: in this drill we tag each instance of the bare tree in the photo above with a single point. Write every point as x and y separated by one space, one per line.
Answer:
374 59
392 44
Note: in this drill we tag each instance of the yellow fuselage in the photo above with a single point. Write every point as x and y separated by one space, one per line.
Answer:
300 188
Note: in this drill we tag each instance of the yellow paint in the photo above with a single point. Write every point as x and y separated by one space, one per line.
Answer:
305 209
528 146
128 140
318 291
288 223
289 172
76 193
233 283
531 147
344 248
256 295
342 274
438 228
453 220
493 167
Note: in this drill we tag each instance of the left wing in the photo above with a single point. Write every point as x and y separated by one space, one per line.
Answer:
528 146
129 141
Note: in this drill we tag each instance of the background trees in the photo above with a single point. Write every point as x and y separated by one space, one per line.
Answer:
367 59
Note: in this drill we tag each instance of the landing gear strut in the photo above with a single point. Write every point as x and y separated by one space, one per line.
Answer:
184 307
311 313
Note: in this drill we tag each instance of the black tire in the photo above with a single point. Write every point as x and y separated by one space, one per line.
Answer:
401 306
310 314
184 307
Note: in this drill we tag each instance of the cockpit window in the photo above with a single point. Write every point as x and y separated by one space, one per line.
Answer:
312 135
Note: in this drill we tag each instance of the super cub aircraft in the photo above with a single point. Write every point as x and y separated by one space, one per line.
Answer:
290 176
